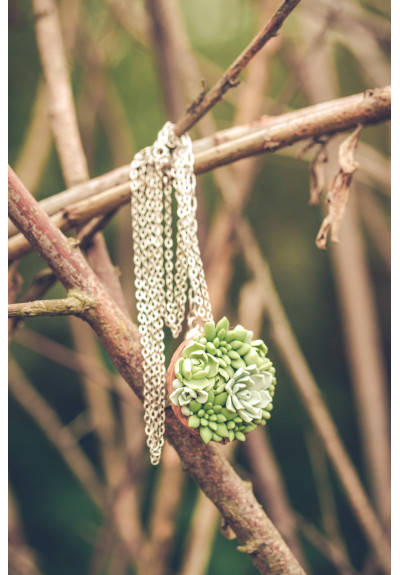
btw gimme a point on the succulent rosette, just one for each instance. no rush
(224, 383)
(248, 393)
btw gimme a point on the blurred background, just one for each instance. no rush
(74, 427)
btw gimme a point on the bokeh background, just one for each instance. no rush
(325, 50)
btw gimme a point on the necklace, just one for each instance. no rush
(220, 382)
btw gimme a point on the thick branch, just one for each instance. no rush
(107, 192)
(329, 118)
(235, 500)
(229, 79)
(76, 304)
(121, 339)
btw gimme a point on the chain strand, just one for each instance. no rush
(162, 287)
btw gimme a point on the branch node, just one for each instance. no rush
(192, 107)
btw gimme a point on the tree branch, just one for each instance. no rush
(120, 337)
(75, 304)
(108, 192)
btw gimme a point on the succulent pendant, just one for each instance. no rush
(221, 383)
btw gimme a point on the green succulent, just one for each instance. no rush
(248, 393)
(224, 383)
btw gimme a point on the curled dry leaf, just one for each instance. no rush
(317, 175)
(338, 194)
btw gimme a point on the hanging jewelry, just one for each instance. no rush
(220, 381)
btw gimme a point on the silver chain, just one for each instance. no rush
(162, 286)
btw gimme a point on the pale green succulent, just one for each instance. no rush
(248, 393)
(196, 368)
(183, 395)
(224, 382)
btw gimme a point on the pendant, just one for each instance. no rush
(221, 383)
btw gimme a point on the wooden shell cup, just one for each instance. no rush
(170, 379)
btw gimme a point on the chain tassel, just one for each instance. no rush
(162, 287)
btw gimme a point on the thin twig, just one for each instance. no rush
(75, 304)
(56, 432)
(362, 334)
(229, 79)
(326, 500)
(76, 361)
(36, 148)
(326, 546)
(267, 478)
(162, 525)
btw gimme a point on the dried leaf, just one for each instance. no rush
(317, 175)
(339, 190)
(337, 199)
(347, 150)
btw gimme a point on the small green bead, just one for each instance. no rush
(231, 425)
(236, 344)
(227, 359)
(220, 399)
(194, 406)
(229, 414)
(216, 437)
(203, 340)
(206, 434)
(216, 341)
(211, 348)
(222, 430)
(208, 405)
(221, 334)
(240, 436)
(224, 374)
(210, 330)
(221, 418)
(213, 417)
(238, 420)
(201, 412)
(217, 408)
(218, 353)
(238, 363)
(231, 435)
(233, 354)
(244, 348)
(230, 371)
(194, 422)
(212, 425)
(222, 324)
(203, 422)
